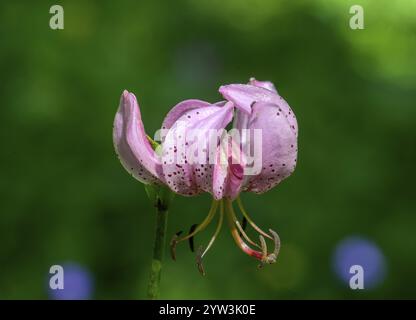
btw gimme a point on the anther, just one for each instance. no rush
(199, 255)
(173, 244)
(263, 246)
(263, 251)
(276, 239)
(272, 257)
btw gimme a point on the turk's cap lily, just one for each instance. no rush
(254, 108)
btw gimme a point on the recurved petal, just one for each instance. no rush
(279, 147)
(240, 95)
(180, 109)
(131, 144)
(263, 84)
(244, 95)
(208, 133)
(186, 148)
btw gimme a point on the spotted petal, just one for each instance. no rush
(279, 147)
(186, 149)
(244, 95)
(180, 109)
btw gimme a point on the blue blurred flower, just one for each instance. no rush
(356, 250)
(78, 284)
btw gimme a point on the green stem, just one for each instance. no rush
(158, 251)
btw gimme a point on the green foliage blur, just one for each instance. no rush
(65, 196)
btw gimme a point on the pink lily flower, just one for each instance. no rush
(221, 171)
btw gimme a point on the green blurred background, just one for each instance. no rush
(66, 198)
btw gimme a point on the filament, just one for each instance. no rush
(175, 240)
(255, 227)
(201, 253)
(204, 223)
(234, 232)
(243, 233)
(220, 220)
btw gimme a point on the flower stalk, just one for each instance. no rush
(161, 198)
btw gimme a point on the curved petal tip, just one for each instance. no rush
(131, 143)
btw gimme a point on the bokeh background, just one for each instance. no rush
(65, 198)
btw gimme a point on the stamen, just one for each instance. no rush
(255, 227)
(245, 236)
(234, 232)
(205, 223)
(175, 240)
(201, 253)
(242, 232)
